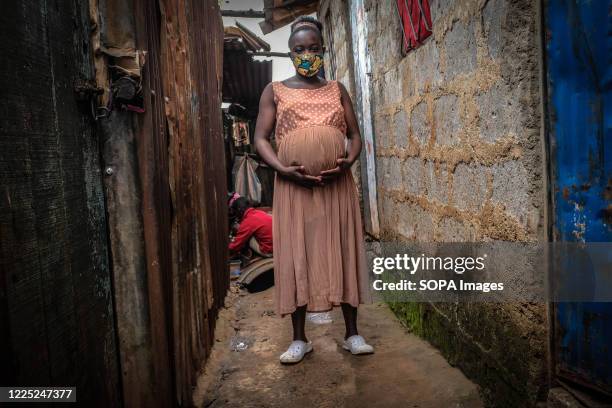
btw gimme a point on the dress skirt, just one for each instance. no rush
(319, 254)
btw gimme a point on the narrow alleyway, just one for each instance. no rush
(405, 371)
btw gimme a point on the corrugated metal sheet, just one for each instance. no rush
(579, 79)
(191, 45)
(181, 193)
(155, 201)
(243, 78)
(179, 278)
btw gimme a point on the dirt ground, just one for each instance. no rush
(405, 371)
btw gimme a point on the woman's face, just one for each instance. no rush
(305, 41)
(306, 52)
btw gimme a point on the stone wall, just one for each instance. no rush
(337, 39)
(336, 21)
(459, 158)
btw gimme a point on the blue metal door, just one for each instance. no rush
(579, 112)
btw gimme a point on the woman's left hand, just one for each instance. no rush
(342, 165)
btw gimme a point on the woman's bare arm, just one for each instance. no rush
(265, 124)
(353, 135)
(352, 126)
(263, 129)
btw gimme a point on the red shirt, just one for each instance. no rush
(254, 223)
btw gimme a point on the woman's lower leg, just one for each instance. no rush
(350, 320)
(298, 319)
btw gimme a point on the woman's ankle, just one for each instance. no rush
(350, 333)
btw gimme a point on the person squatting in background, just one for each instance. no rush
(255, 227)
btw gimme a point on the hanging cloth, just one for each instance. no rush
(246, 182)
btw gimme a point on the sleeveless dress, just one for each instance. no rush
(319, 254)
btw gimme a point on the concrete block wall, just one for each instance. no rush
(461, 115)
(335, 15)
(337, 18)
(459, 158)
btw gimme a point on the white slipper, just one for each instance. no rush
(296, 352)
(357, 345)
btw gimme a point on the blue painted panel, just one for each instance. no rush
(578, 57)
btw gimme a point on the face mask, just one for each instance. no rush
(308, 64)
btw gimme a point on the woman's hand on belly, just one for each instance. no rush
(298, 175)
(343, 164)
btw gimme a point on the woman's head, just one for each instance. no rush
(306, 46)
(306, 21)
(238, 207)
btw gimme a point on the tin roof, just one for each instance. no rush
(244, 78)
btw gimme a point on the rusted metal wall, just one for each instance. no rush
(125, 183)
(245, 78)
(579, 123)
(172, 275)
(56, 313)
(191, 70)
(156, 203)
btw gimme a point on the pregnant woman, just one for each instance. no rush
(319, 259)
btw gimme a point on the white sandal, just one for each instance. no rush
(357, 345)
(296, 352)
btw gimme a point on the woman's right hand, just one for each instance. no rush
(298, 175)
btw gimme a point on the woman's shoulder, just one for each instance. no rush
(273, 89)
(276, 86)
(337, 83)
(342, 90)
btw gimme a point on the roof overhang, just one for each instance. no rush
(244, 79)
(279, 13)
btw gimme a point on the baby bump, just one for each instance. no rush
(316, 148)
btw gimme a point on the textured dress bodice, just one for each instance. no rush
(299, 108)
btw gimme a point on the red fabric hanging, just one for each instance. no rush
(416, 12)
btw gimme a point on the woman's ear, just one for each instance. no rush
(324, 48)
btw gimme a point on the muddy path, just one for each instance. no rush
(404, 372)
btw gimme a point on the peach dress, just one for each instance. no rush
(319, 255)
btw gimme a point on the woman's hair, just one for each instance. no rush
(306, 20)
(307, 23)
(238, 207)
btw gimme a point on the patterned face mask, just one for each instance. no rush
(308, 64)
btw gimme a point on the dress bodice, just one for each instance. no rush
(300, 108)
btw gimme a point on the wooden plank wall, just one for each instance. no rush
(56, 313)
(57, 323)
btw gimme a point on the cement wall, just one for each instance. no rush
(458, 151)
(337, 40)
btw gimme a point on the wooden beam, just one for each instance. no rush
(262, 43)
(243, 13)
(269, 54)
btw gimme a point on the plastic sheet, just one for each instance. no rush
(246, 182)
